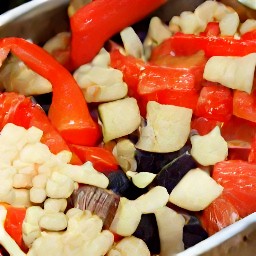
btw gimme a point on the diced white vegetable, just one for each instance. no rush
(21, 180)
(170, 226)
(21, 198)
(53, 221)
(210, 148)
(5, 239)
(158, 31)
(248, 25)
(130, 246)
(229, 24)
(167, 128)
(34, 135)
(102, 59)
(119, 118)
(155, 198)
(39, 181)
(124, 152)
(143, 179)
(189, 23)
(127, 218)
(37, 195)
(232, 72)
(132, 44)
(85, 174)
(55, 205)
(195, 191)
(59, 186)
(250, 3)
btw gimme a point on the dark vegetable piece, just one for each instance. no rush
(99, 201)
(154, 162)
(121, 185)
(193, 232)
(147, 230)
(171, 174)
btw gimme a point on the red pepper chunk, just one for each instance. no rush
(244, 105)
(96, 22)
(215, 102)
(102, 159)
(187, 44)
(239, 181)
(68, 112)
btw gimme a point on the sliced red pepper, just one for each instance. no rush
(168, 86)
(96, 22)
(239, 181)
(215, 102)
(13, 224)
(250, 35)
(244, 105)
(187, 44)
(203, 125)
(102, 159)
(21, 111)
(131, 68)
(212, 29)
(68, 112)
(252, 154)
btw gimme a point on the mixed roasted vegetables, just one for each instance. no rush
(141, 146)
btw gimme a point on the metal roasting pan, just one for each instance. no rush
(38, 20)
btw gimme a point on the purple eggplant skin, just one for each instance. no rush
(154, 162)
(193, 232)
(122, 186)
(171, 174)
(147, 230)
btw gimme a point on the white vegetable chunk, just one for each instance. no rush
(132, 44)
(155, 198)
(233, 72)
(195, 191)
(127, 218)
(130, 246)
(229, 24)
(248, 25)
(167, 128)
(119, 118)
(210, 148)
(143, 179)
(170, 226)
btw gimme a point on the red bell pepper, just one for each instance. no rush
(102, 159)
(212, 29)
(169, 86)
(68, 112)
(186, 44)
(96, 22)
(203, 125)
(244, 105)
(250, 35)
(252, 154)
(19, 110)
(13, 224)
(239, 181)
(215, 102)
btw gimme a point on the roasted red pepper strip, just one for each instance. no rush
(102, 159)
(187, 44)
(19, 110)
(96, 22)
(68, 112)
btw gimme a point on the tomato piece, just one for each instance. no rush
(215, 102)
(131, 68)
(13, 223)
(244, 105)
(239, 181)
(204, 125)
(250, 35)
(218, 215)
(212, 29)
(102, 159)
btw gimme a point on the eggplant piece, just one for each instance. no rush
(147, 230)
(171, 174)
(121, 185)
(154, 162)
(99, 201)
(193, 232)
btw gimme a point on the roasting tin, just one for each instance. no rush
(39, 20)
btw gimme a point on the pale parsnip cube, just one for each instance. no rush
(37, 195)
(53, 221)
(55, 205)
(195, 191)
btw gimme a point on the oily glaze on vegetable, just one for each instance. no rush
(173, 125)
